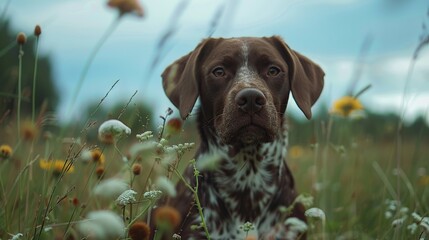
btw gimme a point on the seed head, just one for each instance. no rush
(139, 231)
(37, 30)
(167, 217)
(99, 172)
(137, 168)
(21, 38)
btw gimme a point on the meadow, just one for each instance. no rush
(366, 175)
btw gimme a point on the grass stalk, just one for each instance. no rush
(33, 102)
(18, 118)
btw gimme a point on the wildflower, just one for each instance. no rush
(152, 195)
(29, 130)
(173, 126)
(305, 199)
(166, 185)
(412, 228)
(247, 226)
(296, 227)
(144, 136)
(57, 166)
(136, 168)
(17, 236)
(21, 38)
(110, 188)
(296, 151)
(251, 237)
(102, 224)
(5, 151)
(127, 197)
(346, 106)
(167, 217)
(75, 201)
(398, 222)
(111, 130)
(177, 236)
(127, 6)
(315, 213)
(99, 172)
(37, 31)
(139, 231)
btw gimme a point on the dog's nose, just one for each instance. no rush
(250, 100)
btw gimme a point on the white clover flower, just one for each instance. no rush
(112, 129)
(110, 188)
(102, 225)
(412, 227)
(85, 155)
(296, 225)
(17, 236)
(305, 199)
(416, 216)
(127, 197)
(144, 136)
(166, 186)
(152, 195)
(315, 213)
(425, 226)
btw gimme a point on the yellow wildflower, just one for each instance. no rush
(97, 156)
(424, 180)
(346, 106)
(56, 166)
(5, 151)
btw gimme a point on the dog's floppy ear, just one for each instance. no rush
(180, 80)
(306, 77)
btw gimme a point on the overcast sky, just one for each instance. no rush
(330, 32)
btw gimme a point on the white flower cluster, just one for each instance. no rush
(423, 222)
(177, 236)
(102, 224)
(152, 195)
(127, 197)
(114, 128)
(180, 148)
(305, 199)
(315, 213)
(17, 236)
(145, 136)
(247, 226)
(296, 227)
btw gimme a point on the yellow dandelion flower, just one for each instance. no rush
(346, 106)
(296, 151)
(5, 151)
(56, 166)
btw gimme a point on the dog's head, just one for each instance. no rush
(243, 85)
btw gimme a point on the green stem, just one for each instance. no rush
(34, 81)
(21, 53)
(91, 57)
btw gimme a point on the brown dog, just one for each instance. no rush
(244, 86)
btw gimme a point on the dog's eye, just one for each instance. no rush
(218, 72)
(273, 71)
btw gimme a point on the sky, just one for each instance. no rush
(356, 42)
